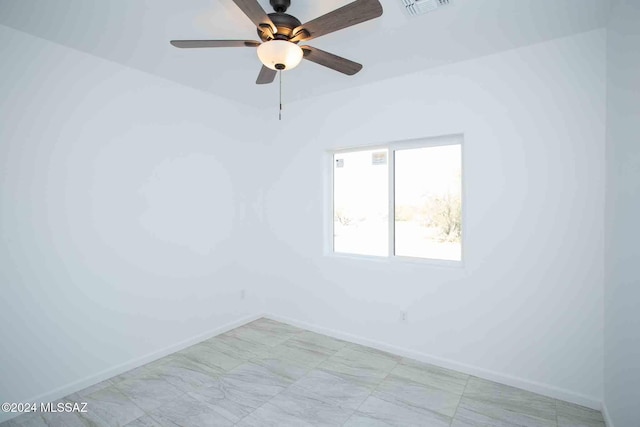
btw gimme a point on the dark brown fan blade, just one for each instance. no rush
(352, 14)
(266, 76)
(188, 44)
(330, 60)
(255, 12)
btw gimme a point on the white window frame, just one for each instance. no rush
(392, 147)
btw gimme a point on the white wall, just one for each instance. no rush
(132, 207)
(622, 279)
(527, 306)
(121, 199)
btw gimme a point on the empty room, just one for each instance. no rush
(320, 213)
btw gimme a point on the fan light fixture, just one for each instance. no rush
(280, 34)
(280, 54)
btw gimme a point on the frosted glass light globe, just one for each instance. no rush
(276, 54)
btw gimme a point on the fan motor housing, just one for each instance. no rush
(280, 6)
(284, 22)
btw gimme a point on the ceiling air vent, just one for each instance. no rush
(420, 7)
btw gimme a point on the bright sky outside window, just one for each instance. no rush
(361, 202)
(424, 217)
(428, 202)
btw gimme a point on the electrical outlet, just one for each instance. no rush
(243, 294)
(404, 316)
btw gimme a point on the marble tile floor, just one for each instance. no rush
(268, 373)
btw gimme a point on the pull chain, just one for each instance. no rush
(280, 111)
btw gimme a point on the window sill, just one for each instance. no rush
(398, 260)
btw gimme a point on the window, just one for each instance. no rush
(400, 200)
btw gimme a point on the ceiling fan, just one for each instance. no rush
(280, 34)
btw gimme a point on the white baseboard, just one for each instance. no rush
(535, 387)
(76, 386)
(605, 414)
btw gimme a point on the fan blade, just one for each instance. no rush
(330, 60)
(352, 14)
(266, 76)
(188, 44)
(255, 12)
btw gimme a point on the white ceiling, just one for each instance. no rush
(136, 33)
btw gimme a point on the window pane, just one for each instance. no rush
(428, 202)
(360, 202)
